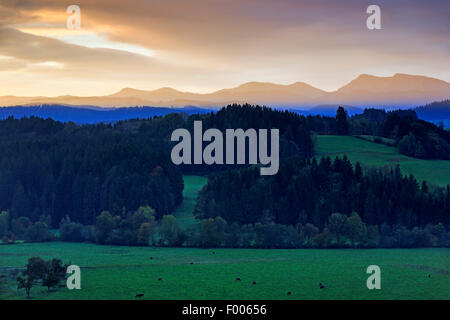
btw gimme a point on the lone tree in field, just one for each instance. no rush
(51, 279)
(25, 281)
(342, 125)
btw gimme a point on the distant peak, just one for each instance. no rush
(395, 76)
(128, 90)
(410, 76)
(301, 84)
(166, 89)
(254, 84)
(364, 76)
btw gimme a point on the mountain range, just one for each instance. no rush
(397, 91)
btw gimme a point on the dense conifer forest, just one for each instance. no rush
(116, 184)
(310, 191)
(49, 169)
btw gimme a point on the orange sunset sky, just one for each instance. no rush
(205, 45)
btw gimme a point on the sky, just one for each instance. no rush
(206, 45)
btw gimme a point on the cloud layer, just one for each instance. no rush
(202, 45)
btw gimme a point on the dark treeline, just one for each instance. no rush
(140, 228)
(418, 138)
(90, 114)
(310, 191)
(56, 170)
(51, 169)
(295, 136)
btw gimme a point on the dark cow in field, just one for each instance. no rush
(289, 293)
(159, 279)
(321, 286)
(139, 295)
(238, 279)
(254, 282)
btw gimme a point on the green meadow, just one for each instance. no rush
(192, 185)
(379, 155)
(110, 272)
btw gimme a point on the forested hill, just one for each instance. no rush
(52, 169)
(412, 136)
(311, 191)
(436, 111)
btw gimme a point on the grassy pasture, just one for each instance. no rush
(111, 272)
(379, 155)
(192, 185)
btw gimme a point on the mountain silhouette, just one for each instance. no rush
(399, 90)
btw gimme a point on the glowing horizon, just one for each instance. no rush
(202, 46)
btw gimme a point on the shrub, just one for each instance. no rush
(71, 231)
(38, 232)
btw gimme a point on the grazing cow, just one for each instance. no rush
(159, 279)
(289, 293)
(321, 286)
(191, 263)
(213, 252)
(238, 279)
(139, 295)
(429, 276)
(151, 258)
(254, 282)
